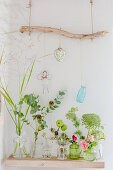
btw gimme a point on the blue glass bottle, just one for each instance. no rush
(81, 94)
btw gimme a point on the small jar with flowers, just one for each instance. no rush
(74, 149)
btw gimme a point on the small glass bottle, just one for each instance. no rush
(74, 151)
(81, 94)
(19, 147)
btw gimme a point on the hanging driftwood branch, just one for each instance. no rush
(62, 32)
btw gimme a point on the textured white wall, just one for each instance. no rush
(74, 16)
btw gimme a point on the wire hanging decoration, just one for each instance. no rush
(82, 91)
(59, 31)
(59, 53)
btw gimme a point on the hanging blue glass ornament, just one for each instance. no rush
(81, 94)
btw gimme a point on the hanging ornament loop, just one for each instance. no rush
(92, 22)
(29, 6)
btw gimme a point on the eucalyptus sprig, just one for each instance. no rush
(39, 112)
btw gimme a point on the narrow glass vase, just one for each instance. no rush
(36, 149)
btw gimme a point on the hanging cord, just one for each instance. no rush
(44, 45)
(92, 24)
(81, 74)
(29, 6)
(60, 39)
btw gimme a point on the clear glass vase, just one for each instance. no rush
(99, 150)
(54, 147)
(47, 149)
(89, 155)
(74, 151)
(19, 147)
(36, 150)
(62, 152)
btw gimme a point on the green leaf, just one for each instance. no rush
(102, 127)
(10, 114)
(47, 110)
(25, 115)
(57, 102)
(30, 72)
(61, 93)
(55, 106)
(15, 112)
(77, 124)
(21, 115)
(43, 108)
(52, 108)
(78, 132)
(21, 89)
(7, 99)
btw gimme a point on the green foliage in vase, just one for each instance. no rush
(59, 135)
(39, 112)
(15, 111)
(71, 115)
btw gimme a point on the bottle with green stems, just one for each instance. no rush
(18, 113)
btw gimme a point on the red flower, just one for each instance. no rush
(74, 138)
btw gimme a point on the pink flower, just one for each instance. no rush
(74, 138)
(91, 138)
(84, 145)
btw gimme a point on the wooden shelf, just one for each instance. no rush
(53, 163)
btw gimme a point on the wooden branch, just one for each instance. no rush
(62, 32)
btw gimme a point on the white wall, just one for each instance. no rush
(74, 16)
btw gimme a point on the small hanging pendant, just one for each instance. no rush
(81, 94)
(59, 54)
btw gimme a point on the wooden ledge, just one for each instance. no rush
(62, 32)
(53, 163)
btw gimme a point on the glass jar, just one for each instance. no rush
(74, 151)
(89, 155)
(62, 152)
(19, 147)
(36, 150)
